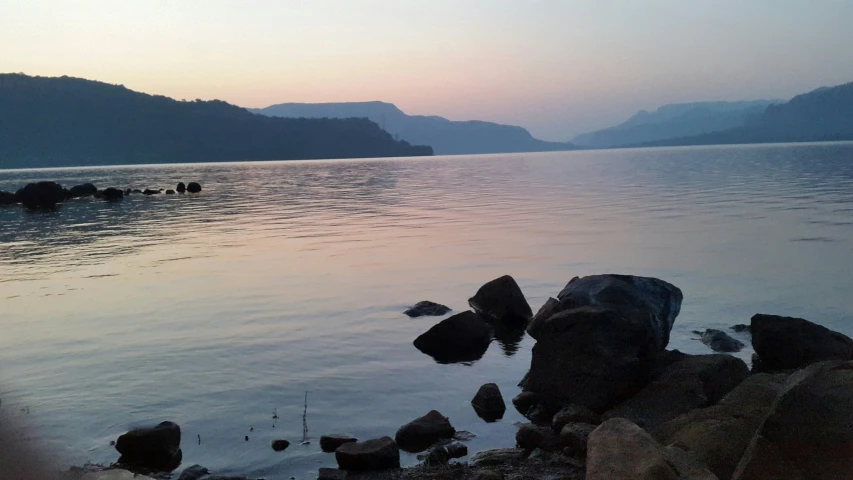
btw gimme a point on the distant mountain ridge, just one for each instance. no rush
(675, 121)
(64, 121)
(446, 137)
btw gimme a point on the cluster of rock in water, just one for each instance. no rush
(607, 401)
(47, 195)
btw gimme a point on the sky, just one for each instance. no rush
(556, 67)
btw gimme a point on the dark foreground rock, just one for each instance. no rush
(574, 414)
(193, 187)
(551, 307)
(378, 454)
(156, 448)
(784, 343)
(530, 437)
(461, 338)
(501, 301)
(41, 195)
(427, 308)
(330, 443)
(421, 433)
(720, 341)
(489, 403)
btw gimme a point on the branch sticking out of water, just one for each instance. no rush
(305, 420)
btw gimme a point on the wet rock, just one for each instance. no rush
(378, 454)
(552, 306)
(695, 381)
(170, 192)
(149, 191)
(329, 443)
(156, 448)
(784, 343)
(193, 472)
(112, 194)
(331, 474)
(461, 338)
(464, 436)
(619, 449)
(41, 195)
(84, 190)
(279, 445)
(530, 437)
(489, 475)
(498, 456)
(420, 433)
(574, 414)
(441, 454)
(181, 188)
(489, 403)
(193, 187)
(719, 341)
(427, 308)
(9, 198)
(501, 300)
(525, 400)
(574, 436)
(740, 328)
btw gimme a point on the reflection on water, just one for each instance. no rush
(213, 310)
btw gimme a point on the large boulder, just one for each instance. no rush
(551, 307)
(193, 187)
(378, 454)
(157, 448)
(41, 195)
(695, 381)
(620, 450)
(427, 308)
(809, 429)
(464, 337)
(501, 301)
(785, 343)
(423, 432)
(489, 403)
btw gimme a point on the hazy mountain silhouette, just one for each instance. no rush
(50, 121)
(445, 136)
(825, 114)
(674, 121)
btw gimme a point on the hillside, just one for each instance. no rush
(825, 114)
(674, 121)
(49, 121)
(445, 136)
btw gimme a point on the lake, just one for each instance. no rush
(218, 309)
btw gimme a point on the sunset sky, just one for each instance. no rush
(556, 67)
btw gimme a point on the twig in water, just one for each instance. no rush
(305, 420)
(199, 439)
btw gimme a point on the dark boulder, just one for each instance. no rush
(181, 188)
(9, 198)
(149, 191)
(501, 301)
(170, 192)
(378, 454)
(785, 343)
(157, 448)
(41, 195)
(574, 437)
(83, 190)
(537, 408)
(329, 443)
(464, 337)
(421, 433)
(279, 445)
(720, 341)
(551, 307)
(427, 308)
(530, 437)
(193, 187)
(574, 414)
(489, 403)
(193, 472)
(112, 194)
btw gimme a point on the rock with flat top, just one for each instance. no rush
(421, 433)
(330, 443)
(378, 454)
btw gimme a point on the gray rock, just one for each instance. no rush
(422, 432)
(574, 414)
(720, 341)
(501, 300)
(378, 454)
(427, 308)
(193, 187)
(41, 195)
(498, 456)
(489, 403)
(784, 343)
(331, 474)
(551, 307)
(156, 448)
(330, 443)
(193, 472)
(530, 437)
(464, 337)
(279, 445)
(574, 436)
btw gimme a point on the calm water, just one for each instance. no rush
(216, 309)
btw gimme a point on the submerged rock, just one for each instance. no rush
(279, 445)
(156, 448)
(193, 187)
(193, 472)
(785, 343)
(427, 308)
(489, 403)
(41, 195)
(329, 443)
(720, 341)
(501, 300)
(421, 433)
(463, 337)
(740, 328)
(149, 191)
(170, 192)
(378, 454)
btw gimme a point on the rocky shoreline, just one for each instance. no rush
(50, 195)
(605, 399)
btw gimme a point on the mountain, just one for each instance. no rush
(674, 121)
(50, 121)
(445, 136)
(825, 114)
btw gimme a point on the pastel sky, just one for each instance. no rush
(557, 67)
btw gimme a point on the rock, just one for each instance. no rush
(83, 190)
(720, 341)
(181, 188)
(620, 450)
(420, 433)
(784, 343)
(136, 190)
(9, 198)
(114, 474)
(551, 307)
(378, 454)
(524, 400)
(543, 457)
(695, 381)
(112, 194)
(456, 450)
(441, 454)
(464, 436)
(719, 435)
(193, 187)
(536, 408)
(740, 328)
(329, 443)
(530, 437)
(498, 456)
(127, 191)
(279, 445)
(808, 428)
(330, 473)
(489, 403)
(464, 337)
(488, 475)
(574, 436)
(193, 472)
(574, 414)
(501, 300)
(41, 195)
(427, 308)
(155, 448)
(148, 191)
(170, 192)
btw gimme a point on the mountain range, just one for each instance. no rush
(446, 137)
